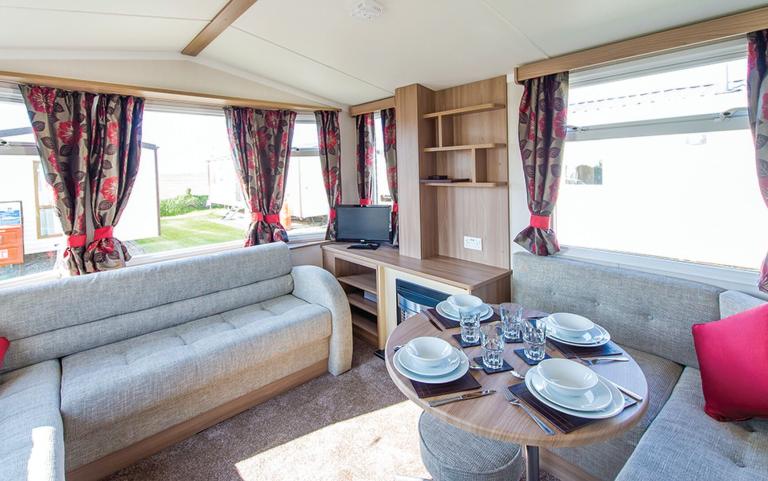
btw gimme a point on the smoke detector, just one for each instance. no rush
(367, 9)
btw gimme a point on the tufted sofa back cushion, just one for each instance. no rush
(649, 312)
(58, 318)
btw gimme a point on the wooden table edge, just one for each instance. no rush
(574, 439)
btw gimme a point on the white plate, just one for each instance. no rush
(597, 336)
(451, 376)
(452, 363)
(614, 408)
(595, 399)
(446, 309)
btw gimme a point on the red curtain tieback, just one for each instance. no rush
(365, 201)
(102, 233)
(76, 240)
(269, 218)
(332, 215)
(540, 221)
(395, 208)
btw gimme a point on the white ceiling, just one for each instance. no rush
(317, 47)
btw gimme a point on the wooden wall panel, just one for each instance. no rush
(418, 204)
(472, 211)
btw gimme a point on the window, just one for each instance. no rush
(187, 194)
(661, 163)
(305, 204)
(21, 181)
(381, 186)
(192, 197)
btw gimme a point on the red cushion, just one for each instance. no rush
(4, 343)
(733, 358)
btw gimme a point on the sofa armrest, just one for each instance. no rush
(318, 286)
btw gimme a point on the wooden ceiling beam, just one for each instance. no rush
(689, 35)
(226, 17)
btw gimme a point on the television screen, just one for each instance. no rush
(361, 224)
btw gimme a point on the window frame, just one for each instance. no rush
(726, 277)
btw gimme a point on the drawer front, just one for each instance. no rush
(11, 255)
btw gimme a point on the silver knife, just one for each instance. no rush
(463, 397)
(626, 391)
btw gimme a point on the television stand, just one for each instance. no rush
(365, 245)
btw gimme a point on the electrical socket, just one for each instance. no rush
(474, 243)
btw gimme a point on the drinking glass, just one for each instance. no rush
(470, 326)
(511, 321)
(535, 339)
(492, 340)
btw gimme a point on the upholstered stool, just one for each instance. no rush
(451, 454)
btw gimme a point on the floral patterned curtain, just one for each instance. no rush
(261, 149)
(541, 130)
(61, 122)
(757, 88)
(389, 129)
(329, 145)
(366, 155)
(114, 164)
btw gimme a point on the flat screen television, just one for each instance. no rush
(368, 226)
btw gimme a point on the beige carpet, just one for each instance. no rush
(355, 427)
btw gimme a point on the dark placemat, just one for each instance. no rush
(450, 323)
(465, 344)
(608, 349)
(464, 383)
(521, 354)
(527, 313)
(562, 421)
(504, 368)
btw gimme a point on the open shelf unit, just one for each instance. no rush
(460, 133)
(450, 148)
(480, 185)
(365, 282)
(458, 148)
(358, 280)
(470, 109)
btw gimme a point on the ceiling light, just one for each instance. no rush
(367, 9)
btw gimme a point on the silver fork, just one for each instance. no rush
(515, 401)
(477, 367)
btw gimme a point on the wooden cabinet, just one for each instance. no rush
(374, 315)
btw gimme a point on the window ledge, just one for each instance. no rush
(732, 278)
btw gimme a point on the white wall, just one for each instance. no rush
(165, 74)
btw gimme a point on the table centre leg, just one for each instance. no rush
(531, 463)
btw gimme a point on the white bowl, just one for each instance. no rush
(571, 324)
(465, 302)
(429, 352)
(566, 377)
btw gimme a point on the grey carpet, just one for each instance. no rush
(355, 427)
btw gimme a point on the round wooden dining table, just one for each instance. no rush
(494, 417)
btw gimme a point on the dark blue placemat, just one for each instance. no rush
(521, 354)
(465, 344)
(504, 368)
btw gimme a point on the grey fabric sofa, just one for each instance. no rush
(118, 358)
(651, 317)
